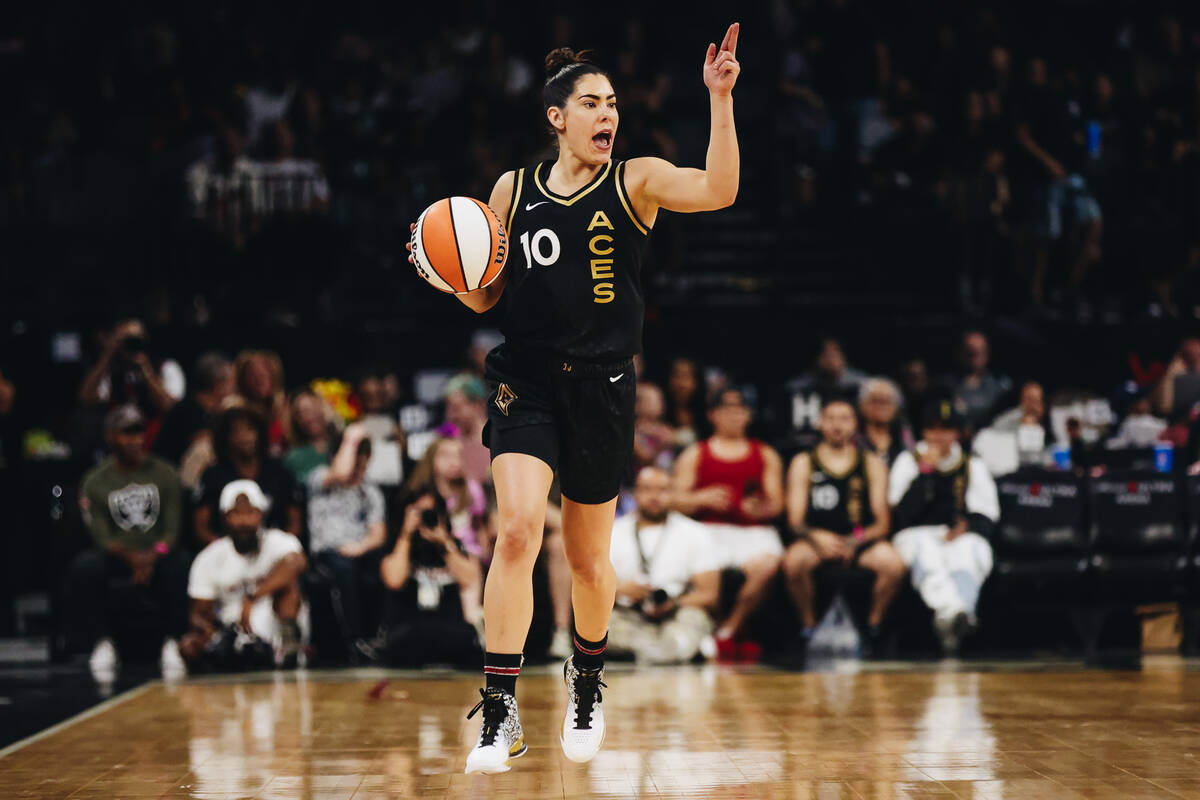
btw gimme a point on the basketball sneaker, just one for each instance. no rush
(583, 727)
(500, 736)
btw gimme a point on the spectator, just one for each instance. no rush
(131, 504)
(427, 571)
(241, 448)
(1177, 390)
(246, 605)
(837, 504)
(1017, 437)
(290, 184)
(668, 577)
(466, 502)
(830, 378)
(685, 402)
(313, 433)
(735, 485)
(192, 417)
(346, 527)
(466, 409)
(125, 374)
(380, 422)
(1140, 428)
(483, 341)
(974, 388)
(913, 378)
(944, 506)
(884, 432)
(653, 439)
(260, 387)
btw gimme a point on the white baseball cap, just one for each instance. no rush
(249, 489)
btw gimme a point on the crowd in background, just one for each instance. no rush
(354, 521)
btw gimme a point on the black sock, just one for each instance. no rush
(501, 670)
(589, 655)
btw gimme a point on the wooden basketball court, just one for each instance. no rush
(690, 732)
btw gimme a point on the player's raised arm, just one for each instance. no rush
(657, 183)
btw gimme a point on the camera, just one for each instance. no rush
(429, 518)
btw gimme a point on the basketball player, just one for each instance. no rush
(837, 506)
(563, 382)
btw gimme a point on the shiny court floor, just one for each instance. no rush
(690, 732)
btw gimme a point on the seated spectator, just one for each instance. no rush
(192, 417)
(1140, 428)
(313, 434)
(668, 578)
(346, 526)
(1177, 390)
(131, 504)
(837, 507)
(883, 430)
(735, 484)
(381, 423)
(466, 409)
(944, 506)
(913, 378)
(974, 388)
(653, 439)
(685, 402)
(240, 440)
(427, 571)
(830, 378)
(260, 388)
(290, 184)
(247, 608)
(441, 466)
(1017, 437)
(125, 374)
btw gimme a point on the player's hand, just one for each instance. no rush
(754, 507)
(720, 64)
(247, 607)
(634, 592)
(829, 546)
(412, 227)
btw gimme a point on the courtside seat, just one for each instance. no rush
(1041, 541)
(1137, 535)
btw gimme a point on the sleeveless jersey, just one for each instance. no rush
(574, 267)
(743, 478)
(839, 501)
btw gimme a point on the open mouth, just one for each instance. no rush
(603, 140)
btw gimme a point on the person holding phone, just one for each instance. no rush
(427, 570)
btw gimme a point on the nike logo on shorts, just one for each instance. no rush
(532, 206)
(614, 380)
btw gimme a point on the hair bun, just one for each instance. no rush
(561, 57)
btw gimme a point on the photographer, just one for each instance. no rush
(668, 577)
(125, 374)
(427, 572)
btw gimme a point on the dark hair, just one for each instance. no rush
(209, 370)
(717, 398)
(564, 67)
(364, 448)
(224, 427)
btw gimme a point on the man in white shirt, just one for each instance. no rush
(668, 577)
(944, 504)
(245, 586)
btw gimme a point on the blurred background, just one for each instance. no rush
(994, 201)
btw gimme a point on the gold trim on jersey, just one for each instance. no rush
(637, 223)
(819, 464)
(516, 198)
(568, 201)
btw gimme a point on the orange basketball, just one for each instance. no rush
(459, 245)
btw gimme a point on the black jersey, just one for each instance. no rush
(574, 267)
(839, 502)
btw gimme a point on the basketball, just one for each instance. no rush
(459, 245)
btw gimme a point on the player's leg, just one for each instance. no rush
(522, 484)
(883, 560)
(799, 563)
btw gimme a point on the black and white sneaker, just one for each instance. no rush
(500, 737)
(583, 727)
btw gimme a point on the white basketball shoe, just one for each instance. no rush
(583, 727)
(500, 737)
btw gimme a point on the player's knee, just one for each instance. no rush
(800, 560)
(591, 571)
(519, 540)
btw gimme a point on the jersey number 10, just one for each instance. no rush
(534, 249)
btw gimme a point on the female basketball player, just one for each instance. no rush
(563, 381)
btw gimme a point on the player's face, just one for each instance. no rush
(838, 424)
(590, 117)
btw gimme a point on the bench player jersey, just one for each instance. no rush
(839, 502)
(574, 263)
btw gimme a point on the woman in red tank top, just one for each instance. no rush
(743, 478)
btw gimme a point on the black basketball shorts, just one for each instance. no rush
(577, 416)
